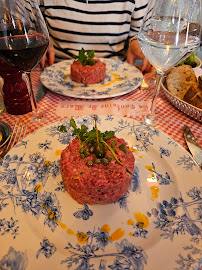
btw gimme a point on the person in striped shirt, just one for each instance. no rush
(106, 26)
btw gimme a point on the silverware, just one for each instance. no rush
(194, 147)
(41, 92)
(19, 132)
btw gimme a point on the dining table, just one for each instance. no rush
(134, 105)
(155, 225)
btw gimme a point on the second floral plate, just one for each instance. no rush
(121, 78)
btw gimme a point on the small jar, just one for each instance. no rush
(15, 92)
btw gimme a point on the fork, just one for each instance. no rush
(19, 132)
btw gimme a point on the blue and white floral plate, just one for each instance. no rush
(121, 78)
(156, 225)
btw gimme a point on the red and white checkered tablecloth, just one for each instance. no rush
(134, 105)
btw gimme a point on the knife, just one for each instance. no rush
(41, 92)
(193, 145)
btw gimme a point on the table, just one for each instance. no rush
(36, 210)
(133, 105)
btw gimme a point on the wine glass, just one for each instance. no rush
(170, 32)
(23, 40)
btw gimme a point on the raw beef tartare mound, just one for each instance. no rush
(88, 74)
(85, 69)
(90, 180)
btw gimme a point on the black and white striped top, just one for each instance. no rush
(101, 25)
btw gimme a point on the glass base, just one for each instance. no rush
(150, 118)
(43, 117)
(37, 116)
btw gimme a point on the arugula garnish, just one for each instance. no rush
(122, 148)
(81, 133)
(86, 136)
(113, 144)
(108, 135)
(85, 57)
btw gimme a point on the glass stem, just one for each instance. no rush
(150, 118)
(159, 78)
(35, 114)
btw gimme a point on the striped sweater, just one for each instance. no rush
(101, 25)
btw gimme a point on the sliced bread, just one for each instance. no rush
(200, 82)
(194, 96)
(180, 79)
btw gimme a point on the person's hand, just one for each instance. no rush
(134, 52)
(49, 56)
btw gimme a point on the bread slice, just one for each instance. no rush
(180, 79)
(200, 82)
(194, 96)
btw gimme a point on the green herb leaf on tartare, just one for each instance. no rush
(108, 135)
(84, 136)
(122, 148)
(81, 133)
(113, 144)
(85, 57)
(72, 123)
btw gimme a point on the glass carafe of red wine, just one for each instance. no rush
(23, 40)
(170, 32)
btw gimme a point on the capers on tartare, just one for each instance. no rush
(105, 161)
(86, 152)
(97, 160)
(89, 163)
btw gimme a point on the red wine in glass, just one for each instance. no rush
(21, 54)
(23, 40)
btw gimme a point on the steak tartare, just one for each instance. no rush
(90, 181)
(88, 74)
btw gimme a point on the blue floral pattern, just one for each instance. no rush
(172, 224)
(9, 226)
(45, 145)
(187, 262)
(40, 222)
(186, 162)
(164, 152)
(18, 172)
(127, 255)
(162, 180)
(85, 213)
(57, 78)
(47, 248)
(14, 260)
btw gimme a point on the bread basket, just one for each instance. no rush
(181, 105)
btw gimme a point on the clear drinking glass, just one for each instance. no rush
(23, 40)
(170, 33)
